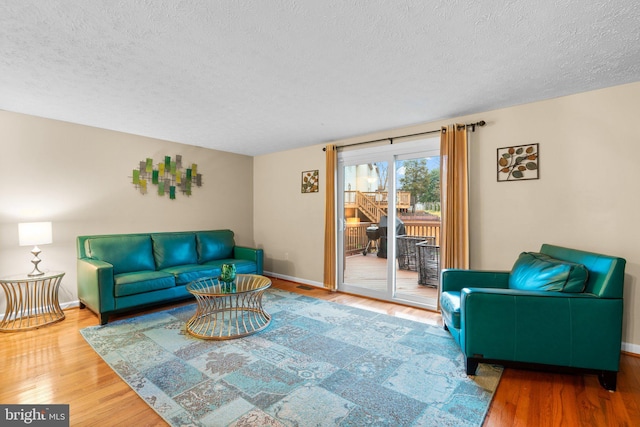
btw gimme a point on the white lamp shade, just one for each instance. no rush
(34, 233)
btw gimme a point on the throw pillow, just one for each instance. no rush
(534, 271)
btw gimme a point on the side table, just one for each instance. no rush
(31, 301)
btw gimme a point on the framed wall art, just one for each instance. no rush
(310, 181)
(518, 163)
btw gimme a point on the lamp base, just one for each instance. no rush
(36, 271)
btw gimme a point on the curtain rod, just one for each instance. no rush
(468, 125)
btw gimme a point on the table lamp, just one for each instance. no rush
(34, 234)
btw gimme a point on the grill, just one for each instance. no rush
(400, 229)
(373, 234)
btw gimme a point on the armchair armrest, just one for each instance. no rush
(556, 328)
(250, 254)
(95, 284)
(457, 279)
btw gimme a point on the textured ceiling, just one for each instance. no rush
(260, 76)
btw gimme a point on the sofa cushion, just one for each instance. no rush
(534, 271)
(214, 245)
(450, 307)
(141, 282)
(125, 253)
(174, 249)
(185, 274)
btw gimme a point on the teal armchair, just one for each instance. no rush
(560, 307)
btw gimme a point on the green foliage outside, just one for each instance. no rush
(423, 184)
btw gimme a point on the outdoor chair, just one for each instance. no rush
(428, 264)
(407, 253)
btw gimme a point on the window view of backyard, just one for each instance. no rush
(366, 212)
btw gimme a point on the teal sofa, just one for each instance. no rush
(558, 308)
(123, 272)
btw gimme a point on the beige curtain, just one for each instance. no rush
(454, 238)
(330, 218)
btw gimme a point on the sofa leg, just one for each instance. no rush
(103, 318)
(446, 328)
(608, 380)
(471, 365)
(82, 306)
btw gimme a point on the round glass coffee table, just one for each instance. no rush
(226, 312)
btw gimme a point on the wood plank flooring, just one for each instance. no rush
(54, 364)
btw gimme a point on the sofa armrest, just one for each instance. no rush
(568, 329)
(457, 279)
(95, 284)
(250, 254)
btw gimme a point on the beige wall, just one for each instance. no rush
(78, 177)
(288, 224)
(587, 197)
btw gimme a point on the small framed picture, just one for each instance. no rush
(310, 181)
(518, 163)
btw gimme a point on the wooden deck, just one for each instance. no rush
(370, 272)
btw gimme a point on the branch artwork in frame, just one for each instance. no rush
(518, 163)
(310, 181)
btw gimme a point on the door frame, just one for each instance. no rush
(371, 154)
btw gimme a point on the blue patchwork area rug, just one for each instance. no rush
(317, 364)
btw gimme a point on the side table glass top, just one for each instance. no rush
(24, 277)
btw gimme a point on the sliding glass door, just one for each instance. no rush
(363, 211)
(388, 213)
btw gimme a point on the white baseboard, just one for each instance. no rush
(63, 305)
(69, 304)
(294, 279)
(631, 348)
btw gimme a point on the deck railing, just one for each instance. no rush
(423, 228)
(355, 234)
(379, 198)
(355, 237)
(370, 206)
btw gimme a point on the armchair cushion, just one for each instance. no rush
(535, 271)
(450, 308)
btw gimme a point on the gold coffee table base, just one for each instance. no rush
(224, 314)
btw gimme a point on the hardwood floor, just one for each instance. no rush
(54, 364)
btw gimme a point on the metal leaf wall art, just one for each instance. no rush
(518, 163)
(168, 175)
